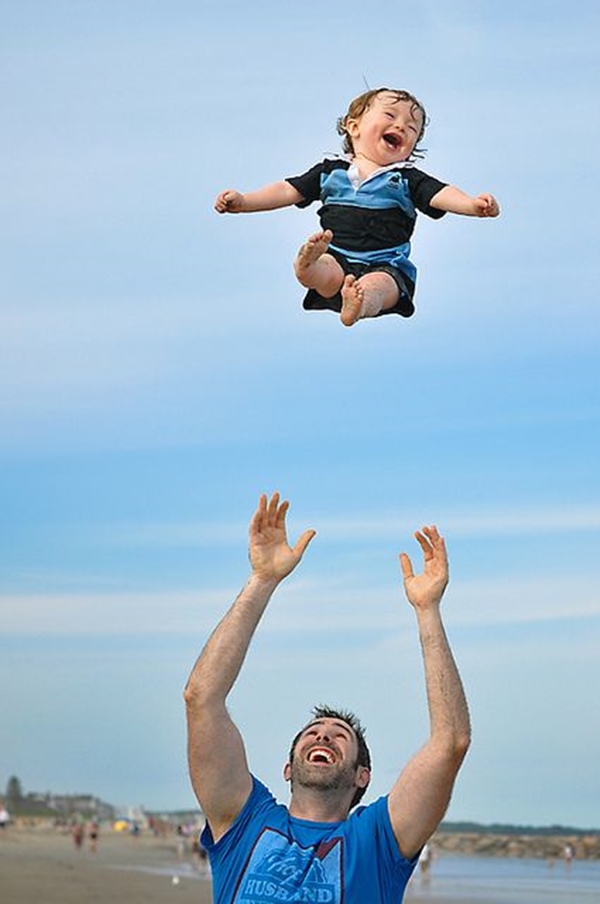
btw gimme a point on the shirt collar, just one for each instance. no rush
(354, 175)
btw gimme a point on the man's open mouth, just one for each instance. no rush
(321, 755)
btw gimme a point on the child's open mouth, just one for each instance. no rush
(393, 140)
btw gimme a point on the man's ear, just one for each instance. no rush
(287, 772)
(363, 777)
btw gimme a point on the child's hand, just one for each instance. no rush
(486, 206)
(229, 202)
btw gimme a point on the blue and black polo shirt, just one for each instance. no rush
(372, 221)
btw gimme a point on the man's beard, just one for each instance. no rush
(340, 777)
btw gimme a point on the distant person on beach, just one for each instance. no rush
(315, 849)
(78, 834)
(568, 855)
(359, 264)
(93, 836)
(180, 834)
(425, 863)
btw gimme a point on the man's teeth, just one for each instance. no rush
(320, 755)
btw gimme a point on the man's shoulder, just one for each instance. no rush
(370, 811)
(260, 792)
(259, 808)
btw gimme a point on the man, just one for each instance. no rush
(315, 850)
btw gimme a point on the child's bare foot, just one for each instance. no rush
(310, 252)
(352, 301)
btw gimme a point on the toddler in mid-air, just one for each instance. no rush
(359, 264)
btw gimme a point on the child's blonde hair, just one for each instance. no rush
(361, 104)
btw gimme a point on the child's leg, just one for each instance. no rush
(367, 296)
(316, 269)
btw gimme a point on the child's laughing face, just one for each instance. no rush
(387, 131)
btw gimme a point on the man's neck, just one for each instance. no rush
(319, 806)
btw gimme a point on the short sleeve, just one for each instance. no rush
(374, 841)
(308, 184)
(259, 798)
(422, 189)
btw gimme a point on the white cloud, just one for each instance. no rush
(303, 607)
(499, 521)
(473, 523)
(107, 613)
(520, 601)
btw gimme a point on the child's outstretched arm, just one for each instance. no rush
(454, 200)
(270, 197)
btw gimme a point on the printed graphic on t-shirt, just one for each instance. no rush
(279, 870)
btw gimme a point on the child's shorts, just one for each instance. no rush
(406, 288)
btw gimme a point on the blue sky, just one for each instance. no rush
(157, 373)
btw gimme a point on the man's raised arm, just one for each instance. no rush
(216, 755)
(422, 793)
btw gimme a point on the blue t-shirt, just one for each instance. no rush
(269, 856)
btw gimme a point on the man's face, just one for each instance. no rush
(387, 131)
(325, 757)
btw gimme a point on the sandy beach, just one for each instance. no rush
(44, 865)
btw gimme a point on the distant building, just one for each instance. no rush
(68, 805)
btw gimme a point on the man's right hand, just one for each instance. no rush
(271, 557)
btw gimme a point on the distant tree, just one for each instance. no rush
(14, 793)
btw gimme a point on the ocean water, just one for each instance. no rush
(486, 880)
(499, 880)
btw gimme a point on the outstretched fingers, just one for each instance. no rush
(280, 512)
(269, 515)
(273, 509)
(406, 566)
(258, 518)
(430, 541)
(270, 554)
(427, 587)
(302, 543)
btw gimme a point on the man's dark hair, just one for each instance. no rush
(363, 756)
